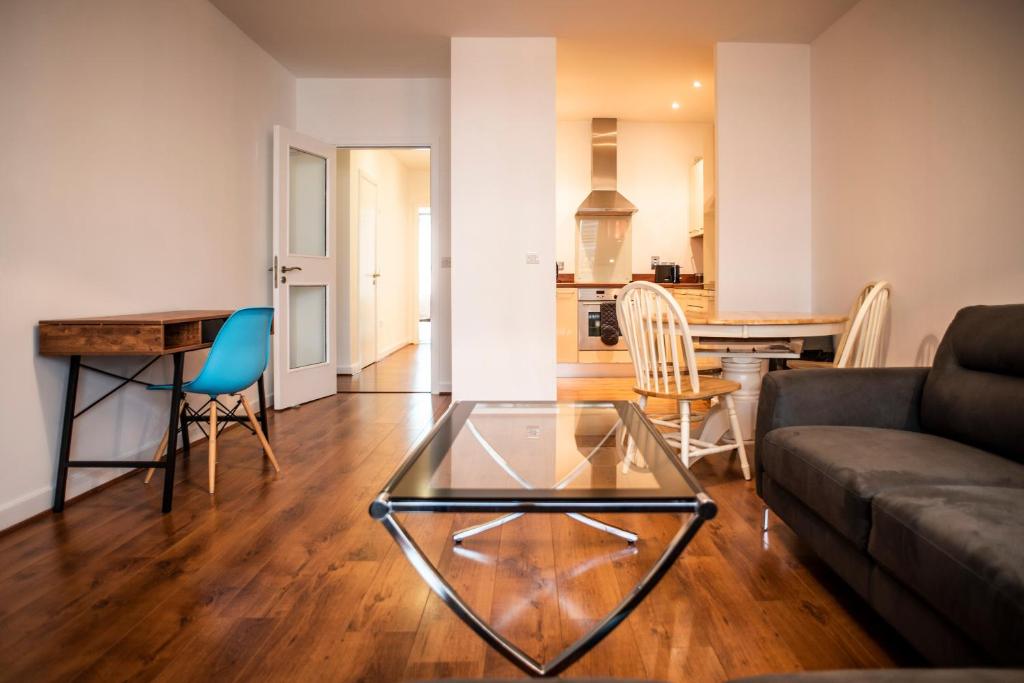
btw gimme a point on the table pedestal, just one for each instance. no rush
(747, 371)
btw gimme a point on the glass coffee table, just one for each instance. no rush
(512, 459)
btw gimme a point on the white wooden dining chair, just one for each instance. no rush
(665, 366)
(860, 345)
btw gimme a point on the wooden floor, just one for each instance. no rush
(286, 578)
(405, 370)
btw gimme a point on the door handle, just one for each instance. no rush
(288, 269)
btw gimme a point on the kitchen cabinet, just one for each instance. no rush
(694, 300)
(609, 356)
(566, 350)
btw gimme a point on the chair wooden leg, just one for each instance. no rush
(684, 433)
(213, 442)
(737, 435)
(159, 454)
(259, 433)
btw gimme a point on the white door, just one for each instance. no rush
(304, 269)
(369, 276)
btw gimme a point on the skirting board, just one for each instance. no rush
(82, 481)
(356, 369)
(595, 370)
(79, 481)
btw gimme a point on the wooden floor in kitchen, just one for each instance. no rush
(287, 578)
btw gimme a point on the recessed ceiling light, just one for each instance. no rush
(696, 84)
(675, 105)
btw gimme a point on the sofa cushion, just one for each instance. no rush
(836, 471)
(975, 390)
(961, 548)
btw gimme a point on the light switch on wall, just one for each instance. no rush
(532, 258)
(655, 260)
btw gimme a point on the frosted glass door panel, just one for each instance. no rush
(307, 208)
(307, 325)
(604, 250)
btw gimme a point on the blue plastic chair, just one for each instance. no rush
(237, 359)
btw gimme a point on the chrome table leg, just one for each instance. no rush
(428, 572)
(627, 536)
(624, 534)
(469, 531)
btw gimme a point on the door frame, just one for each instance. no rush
(362, 362)
(433, 143)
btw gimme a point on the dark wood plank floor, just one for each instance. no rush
(286, 578)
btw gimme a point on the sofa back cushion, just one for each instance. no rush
(975, 390)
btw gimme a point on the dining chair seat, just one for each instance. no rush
(709, 388)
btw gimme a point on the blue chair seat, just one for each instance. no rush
(238, 357)
(168, 387)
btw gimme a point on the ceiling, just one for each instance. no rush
(615, 58)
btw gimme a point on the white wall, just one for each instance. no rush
(764, 176)
(399, 193)
(503, 206)
(654, 161)
(135, 177)
(918, 161)
(394, 112)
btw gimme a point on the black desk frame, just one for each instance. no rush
(176, 423)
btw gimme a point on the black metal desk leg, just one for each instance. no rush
(263, 408)
(186, 444)
(65, 434)
(172, 430)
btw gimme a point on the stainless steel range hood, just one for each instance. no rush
(604, 199)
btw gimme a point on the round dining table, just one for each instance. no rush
(746, 341)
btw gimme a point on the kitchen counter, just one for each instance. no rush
(609, 285)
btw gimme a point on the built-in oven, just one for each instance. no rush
(598, 325)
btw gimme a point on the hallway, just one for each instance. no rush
(405, 371)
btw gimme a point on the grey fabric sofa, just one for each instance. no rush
(909, 483)
(893, 676)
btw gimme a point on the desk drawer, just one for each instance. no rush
(56, 339)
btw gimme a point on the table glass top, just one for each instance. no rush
(543, 452)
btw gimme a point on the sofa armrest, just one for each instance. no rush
(863, 397)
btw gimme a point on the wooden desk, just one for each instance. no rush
(127, 335)
(146, 334)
